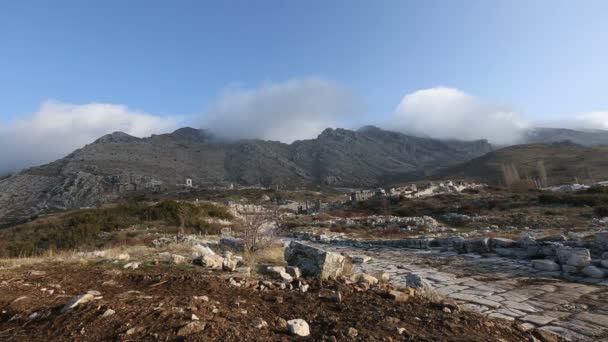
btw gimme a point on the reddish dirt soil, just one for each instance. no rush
(155, 302)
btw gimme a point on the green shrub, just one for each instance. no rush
(82, 228)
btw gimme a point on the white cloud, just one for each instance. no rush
(57, 129)
(287, 111)
(448, 113)
(591, 120)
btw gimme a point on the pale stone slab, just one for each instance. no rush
(594, 318)
(475, 300)
(538, 319)
(519, 306)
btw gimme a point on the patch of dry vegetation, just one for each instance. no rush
(83, 228)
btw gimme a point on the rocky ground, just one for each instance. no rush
(499, 287)
(186, 302)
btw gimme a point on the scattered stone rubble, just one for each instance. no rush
(415, 191)
(556, 255)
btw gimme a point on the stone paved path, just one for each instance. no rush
(499, 287)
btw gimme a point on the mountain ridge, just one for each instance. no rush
(118, 163)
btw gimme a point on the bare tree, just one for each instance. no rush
(542, 172)
(509, 174)
(259, 230)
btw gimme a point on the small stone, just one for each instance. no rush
(385, 277)
(259, 323)
(191, 328)
(203, 298)
(75, 301)
(398, 296)
(132, 265)
(293, 271)
(177, 259)
(194, 317)
(363, 278)
(298, 327)
(281, 324)
(352, 332)
(545, 265)
(447, 310)
(123, 257)
(108, 312)
(361, 259)
(304, 288)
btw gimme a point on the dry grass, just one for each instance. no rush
(49, 256)
(274, 255)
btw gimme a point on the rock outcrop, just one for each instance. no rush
(314, 261)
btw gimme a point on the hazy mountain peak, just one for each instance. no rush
(115, 137)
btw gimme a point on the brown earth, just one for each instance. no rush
(155, 302)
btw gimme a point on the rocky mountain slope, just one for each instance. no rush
(563, 162)
(117, 164)
(551, 135)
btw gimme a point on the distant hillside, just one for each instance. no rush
(562, 162)
(117, 164)
(551, 135)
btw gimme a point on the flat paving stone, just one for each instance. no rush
(568, 334)
(501, 316)
(500, 287)
(474, 299)
(519, 306)
(593, 318)
(538, 319)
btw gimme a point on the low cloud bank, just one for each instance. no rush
(57, 129)
(285, 111)
(449, 113)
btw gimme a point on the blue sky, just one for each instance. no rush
(543, 60)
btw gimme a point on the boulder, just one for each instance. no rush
(545, 265)
(279, 272)
(594, 272)
(298, 327)
(502, 243)
(211, 261)
(527, 241)
(416, 282)
(200, 250)
(578, 257)
(478, 245)
(550, 248)
(554, 238)
(601, 237)
(571, 269)
(314, 261)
